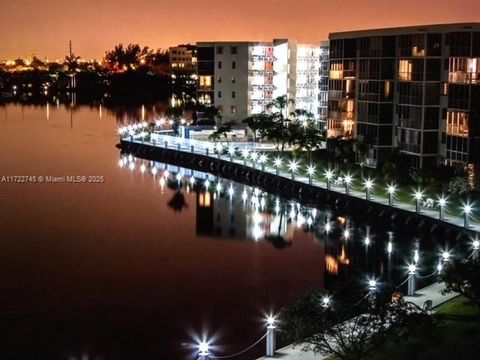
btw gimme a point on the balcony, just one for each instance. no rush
(460, 77)
(412, 148)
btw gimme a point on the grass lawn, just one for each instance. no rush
(455, 336)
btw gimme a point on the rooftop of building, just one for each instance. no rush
(406, 30)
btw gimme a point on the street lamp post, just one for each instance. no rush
(203, 348)
(254, 157)
(293, 165)
(368, 188)
(467, 210)
(442, 202)
(231, 152)
(219, 150)
(278, 163)
(245, 154)
(411, 279)
(263, 160)
(418, 198)
(348, 180)
(271, 336)
(328, 176)
(391, 193)
(310, 172)
(372, 290)
(476, 248)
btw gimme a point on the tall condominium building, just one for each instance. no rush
(411, 89)
(242, 78)
(183, 72)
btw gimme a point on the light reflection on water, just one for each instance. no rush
(130, 268)
(229, 210)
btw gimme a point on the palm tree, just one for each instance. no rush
(127, 58)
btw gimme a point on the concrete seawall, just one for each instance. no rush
(303, 193)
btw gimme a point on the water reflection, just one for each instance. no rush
(231, 211)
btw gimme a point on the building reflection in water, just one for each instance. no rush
(230, 211)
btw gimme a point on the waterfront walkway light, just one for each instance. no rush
(325, 302)
(245, 155)
(412, 269)
(278, 163)
(231, 152)
(442, 203)
(203, 348)
(293, 166)
(263, 160)
(476, 244)
(389, 247)
(476, 248)
(219, 150)
(368, 188)
(348, 180)
(329, 176)
(418, 198)
(445, 256)
(366, 241)
(391, 189)
(467, 210)
(310, 172)
(271, 336)
(254, 157)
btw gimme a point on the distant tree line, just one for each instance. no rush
(131, 73)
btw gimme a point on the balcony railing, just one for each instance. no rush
(410, 148)
(460, 77)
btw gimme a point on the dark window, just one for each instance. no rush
(434, 44)
(434, 70)
(219, 94)
(234, 64)
(219, 64)
(233, 94)
(233, 50)
(219, 50)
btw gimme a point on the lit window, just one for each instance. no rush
(205, 81)
(457, 123)
(405, 70)
(233, 109)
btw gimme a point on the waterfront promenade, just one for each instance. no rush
(432, 292)
(209, 149)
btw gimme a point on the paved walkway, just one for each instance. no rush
(432, 292)
(208, 149)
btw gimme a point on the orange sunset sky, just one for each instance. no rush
(44, 27)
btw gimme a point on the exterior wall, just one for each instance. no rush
(206, 73)
(413, 91)
(260, 77)
(263, 71)
(307, 79)
(231, 80)
(183, 72)
(324, 66)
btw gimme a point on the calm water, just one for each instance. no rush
(137, 268)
